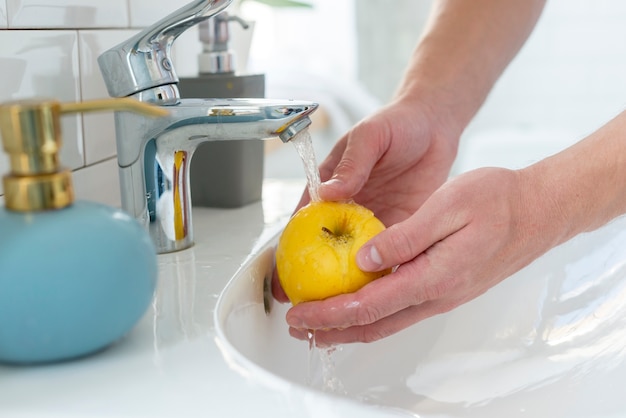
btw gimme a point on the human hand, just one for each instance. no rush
(390, 162)
(472, 233)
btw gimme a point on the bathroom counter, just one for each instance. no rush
(170, 365)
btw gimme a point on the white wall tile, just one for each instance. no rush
(98, 128)
(144, 13)
(3, 14)
(99, 183)
(43, 64)
(67, 13)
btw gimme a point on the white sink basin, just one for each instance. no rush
(549, 342)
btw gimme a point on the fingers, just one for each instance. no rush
(349, 165)
(277, 289)
(412, 284)
(422, 276)
(458, 244)
(326, 171)
(396, 245)
(403, 241)
(373, 332)
(416, 291)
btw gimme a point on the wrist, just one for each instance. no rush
(448, 106)
(436, 110)
(582, 187)
(543, 215)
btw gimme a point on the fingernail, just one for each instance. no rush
(332, 182)
(369, 259)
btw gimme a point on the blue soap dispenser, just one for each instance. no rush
(74, 276)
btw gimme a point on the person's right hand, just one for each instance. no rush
(472, 233)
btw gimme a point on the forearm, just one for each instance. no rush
(464, 49)
(582, 187)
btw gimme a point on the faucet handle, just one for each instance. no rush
(144, 62)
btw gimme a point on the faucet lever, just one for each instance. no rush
(144, 61)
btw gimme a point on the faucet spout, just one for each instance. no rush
(154, 155)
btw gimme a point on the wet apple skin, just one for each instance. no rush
(316, 252)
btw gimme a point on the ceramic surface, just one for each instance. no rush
(170, 364)
(549, 342)
(67, 13)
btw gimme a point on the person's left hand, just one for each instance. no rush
(472, 233)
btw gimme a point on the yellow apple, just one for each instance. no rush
(316, 252)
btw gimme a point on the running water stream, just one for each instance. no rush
(330, 382)
(304, 146)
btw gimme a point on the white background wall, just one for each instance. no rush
(567, 80)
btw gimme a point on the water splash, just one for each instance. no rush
(304, 147)
(310, 359)
(330, 382)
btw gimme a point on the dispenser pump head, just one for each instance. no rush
(31, 135)
(217, 57)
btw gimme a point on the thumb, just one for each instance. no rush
(404, 241)
(391, 247)
(351, 163)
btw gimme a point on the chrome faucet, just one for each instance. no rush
(154, 154)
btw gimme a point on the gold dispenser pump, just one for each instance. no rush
(31, 134)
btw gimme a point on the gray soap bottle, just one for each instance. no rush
(224, 174)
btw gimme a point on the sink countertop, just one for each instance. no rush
(170, 365)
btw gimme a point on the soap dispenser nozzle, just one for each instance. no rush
(31, 134)
(216, 56)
